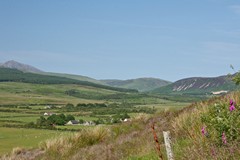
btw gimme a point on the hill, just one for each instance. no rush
(13, 75)
(198, 86)
(20, 66)
(140, 84)
(72, 76)
(27, 68)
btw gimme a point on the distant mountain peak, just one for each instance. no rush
(20, 66)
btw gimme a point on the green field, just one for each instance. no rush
(26, 138)
(12, 93)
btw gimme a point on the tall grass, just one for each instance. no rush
(131, 140)
(64, 146)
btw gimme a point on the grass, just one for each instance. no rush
(12, 93)
(74, 127)
(19, 137)
(25, 119)
(150, 156)
(86, 118)
(166, 105)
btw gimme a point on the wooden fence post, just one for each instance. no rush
(157, 142)
(167, 142)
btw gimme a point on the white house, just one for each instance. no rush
(48, 114)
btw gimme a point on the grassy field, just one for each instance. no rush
(26, 138)
(166, 106)
(12, 93)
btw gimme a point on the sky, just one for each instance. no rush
(123, 39)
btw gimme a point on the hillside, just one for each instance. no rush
(72, 76)
(198, 86)
(20, 66)
(13, 75)
(27, 68)
(140, 84)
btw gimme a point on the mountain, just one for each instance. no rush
(140, 84)
(20, 66)
(27, 68)
(198, 86)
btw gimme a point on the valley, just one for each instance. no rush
(41, 108)
(24, 103)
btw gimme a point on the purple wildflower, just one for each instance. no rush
(231, 108)
(224, 139)
(232, 103)
(203, 130)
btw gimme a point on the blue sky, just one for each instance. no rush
(123, 39)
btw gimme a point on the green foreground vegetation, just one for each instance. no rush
(208, 130)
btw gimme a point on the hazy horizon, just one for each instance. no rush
(170, 40)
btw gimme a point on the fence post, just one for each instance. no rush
(167, 142)
(157, 142)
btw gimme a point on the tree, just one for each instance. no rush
(60, 121)
(62, 116)
(69, 105)
(69, 117)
